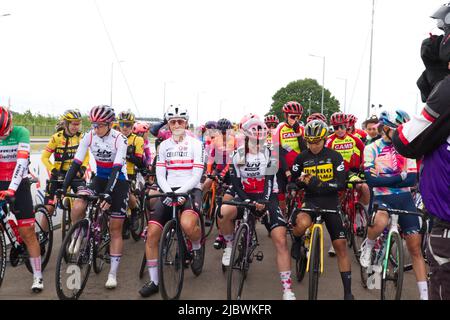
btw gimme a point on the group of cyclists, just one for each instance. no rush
(259, 160)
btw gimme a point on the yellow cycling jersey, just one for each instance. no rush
(63, 147)
(138, 143)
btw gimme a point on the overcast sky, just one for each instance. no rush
(55, 54)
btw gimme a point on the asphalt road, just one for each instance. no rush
(262, 282)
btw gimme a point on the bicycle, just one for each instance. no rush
(244, 246)
(355, 219)
(174, 255)
(86, 245)
(18, 252)
(314, 264)
(294, 203)
(387, 260)
(209, 203)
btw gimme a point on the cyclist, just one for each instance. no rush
(352, 150)
(253, 179)
(361, 134)
(391, 175)
(289, 142)
(135, 155)
(15, 152)
(109, 148)
(63, 145)
(141, 129)
(271, 122)
(316, 116)
(320, 171)
(372, 129)
(179, 168)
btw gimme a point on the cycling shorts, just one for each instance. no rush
(119, 196)
(23, 205)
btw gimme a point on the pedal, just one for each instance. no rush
(259, 256)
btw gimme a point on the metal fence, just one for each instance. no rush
(36, 130)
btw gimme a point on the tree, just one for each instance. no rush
(306, 91)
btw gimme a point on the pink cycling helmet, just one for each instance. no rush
(255, 129)
(103, 114)
(141, 127)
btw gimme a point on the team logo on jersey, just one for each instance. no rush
(343, 146)
(341, 167)
(288, 135)
(295, 167)
(324, 172)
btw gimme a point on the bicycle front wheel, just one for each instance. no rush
(101, 245)
(170, 262)
(66, 221)
(239, 264)
(392, 279)
(137, 220)
(359, 229)
(314, 265)
(73, 264)
(209, 212)
(3, 256)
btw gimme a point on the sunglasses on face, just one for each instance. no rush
(313, 141)
(179, 122)
(125, 124)
(271, 125)
(96, 125)
(341, 126)
(294, 116)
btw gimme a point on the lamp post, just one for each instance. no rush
(370, 63)
(345, 93)
(198, 100)
(323, 79)
(164, 101)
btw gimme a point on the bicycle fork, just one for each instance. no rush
(392, 229)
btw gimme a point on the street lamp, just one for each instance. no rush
(198, 99)
(345, 94)
(111, 92)
(323, 79)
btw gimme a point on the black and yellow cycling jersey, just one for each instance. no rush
(135, 153)
(63, 147)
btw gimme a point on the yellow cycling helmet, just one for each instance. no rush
(71, 115)
(315, 131)
(126, 116)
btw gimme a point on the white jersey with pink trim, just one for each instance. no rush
(180, 164)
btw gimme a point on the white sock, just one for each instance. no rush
(423, 289)
(196, 245)
(370, 243)
(115, 260)
(36, 266)
(152, 266)
(285, 277)
(229, 240)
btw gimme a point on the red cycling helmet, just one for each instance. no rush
(5, 122)
(316, 116)
(293, 107)
(338, 118)
(255, 129)
(351, 120)
(140, 127)
(103, 114)
(246, 118)
(271, 119)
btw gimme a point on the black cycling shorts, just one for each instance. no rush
(274, 218)
(162, 213)
(119, 196)
(51, 188)
(23, 205)
(332, 220)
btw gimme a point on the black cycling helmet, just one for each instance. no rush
(224, 125)
(211, 125)
(442, 15)
(315, 131)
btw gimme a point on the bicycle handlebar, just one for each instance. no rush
(355, 182)
(376, 207)
(84, 196)
(319, 210)
(169, 195)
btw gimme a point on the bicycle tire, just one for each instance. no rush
(66, 221)
(137, 228)
(171, 237)
(45, 239)
(238, 263)
(209, 211)
(393, 262)
(203, 248)
(142, 268)
(314, 265)
(300, 265)
(85, 258)
(361, 220)
(3, 256)
(101, 245)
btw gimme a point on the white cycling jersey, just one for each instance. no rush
(253, 168)
(109, 151)
(180, 164)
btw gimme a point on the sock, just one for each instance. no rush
(370, 243)
(196, 245)
(115, 260)
(229, 240)
(423, 289)
(347, 282)
(285, 277)
(152, 266)
(36, 265)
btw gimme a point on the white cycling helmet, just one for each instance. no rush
(176, 112)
